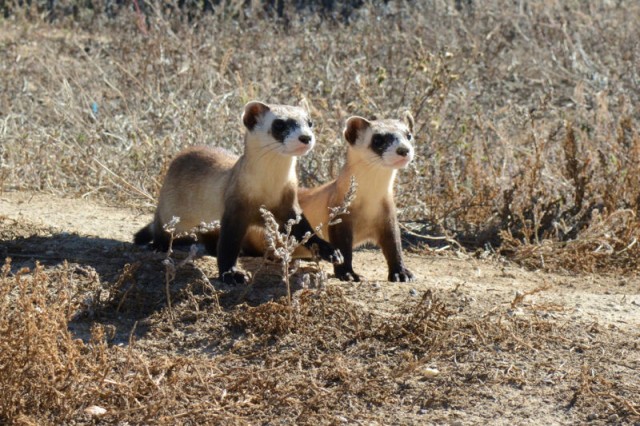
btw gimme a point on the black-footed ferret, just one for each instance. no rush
(208, 184)
(376, 150)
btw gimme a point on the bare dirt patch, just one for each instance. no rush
(471, 341)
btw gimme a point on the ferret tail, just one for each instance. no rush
(144, 235)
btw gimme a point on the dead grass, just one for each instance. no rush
(525, 114)
(318, 360)
(42, 365)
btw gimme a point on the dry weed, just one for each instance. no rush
(317, 359)
(280, 246)
(45, 373)
(527, 140)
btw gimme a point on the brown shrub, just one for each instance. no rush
(524, 114)
(45, 373)
(319, 358)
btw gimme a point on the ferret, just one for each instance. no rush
(376, 150)
(209, 184)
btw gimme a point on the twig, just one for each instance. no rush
(430, 237)
(141, 24)
(139, 191)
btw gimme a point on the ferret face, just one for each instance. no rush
(280, 128)
(383, 142)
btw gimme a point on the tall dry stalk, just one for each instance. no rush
(281, 245)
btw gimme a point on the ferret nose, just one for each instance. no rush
(304, 139)
(402, 151)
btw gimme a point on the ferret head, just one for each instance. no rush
(383, 142)
(279, 128)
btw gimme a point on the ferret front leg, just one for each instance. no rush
(341, 235)
(389, 241)
(326, 251)
(233, 228)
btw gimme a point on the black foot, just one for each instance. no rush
(402, 275)
(328, 253)
(346, 274)
(235, 276)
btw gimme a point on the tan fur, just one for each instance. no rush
(367, 207)
(374, 186)
(210, 184)
(193, 189)
(199, 194)
(201, 181)
(372, 215)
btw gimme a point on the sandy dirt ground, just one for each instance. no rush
(613, 300)
(50, 229)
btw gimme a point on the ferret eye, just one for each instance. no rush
(310, 123)
(377, 141)
(278, 125)
(409, 136)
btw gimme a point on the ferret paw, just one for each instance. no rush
(235, 276)
(402, 275)
(346, 275)
(327, 252)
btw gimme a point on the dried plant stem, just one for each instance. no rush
(171, 267)
(280, 246)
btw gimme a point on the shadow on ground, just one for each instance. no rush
(124, 287)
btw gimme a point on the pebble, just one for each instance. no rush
(518, 312)
(430, 372)
(94, 410)
(413, 292)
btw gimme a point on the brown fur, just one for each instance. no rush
(210, 184)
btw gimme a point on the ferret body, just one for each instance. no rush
(210, 184)
(376, 150)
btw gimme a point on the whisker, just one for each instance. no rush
(268, 149)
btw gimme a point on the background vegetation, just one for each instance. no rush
(527, 126)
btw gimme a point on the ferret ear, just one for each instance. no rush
(353, 127)
(408, 118)
(252, 113)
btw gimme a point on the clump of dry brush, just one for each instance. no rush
(592, 226)
(323, 356)
(45, 373)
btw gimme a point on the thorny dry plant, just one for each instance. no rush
(527, 140)
(281, 246)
